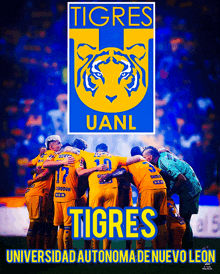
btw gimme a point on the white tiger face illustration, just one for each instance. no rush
(111, 80)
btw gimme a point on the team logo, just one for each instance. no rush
(110, 70)
(111, 80)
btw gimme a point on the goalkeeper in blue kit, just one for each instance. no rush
(183, 181)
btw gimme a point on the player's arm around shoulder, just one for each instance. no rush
(175, 174)
(134, 159)
(81, 171)
(80, 165)
(53, 164)
(179, 182)
(120, 172)
(44, 175)
(32, 163)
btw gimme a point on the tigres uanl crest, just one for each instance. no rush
(111, 65)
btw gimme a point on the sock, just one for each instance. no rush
(188, 235)
(87, 244)
(106, 244)
(95, 244)
(40, 236)
(154, 243)
(128, 244)
(47, 236)
(161, 239)
(31, 235)
(177, 235)
(67, 237)
(187, 241)
(53, 242)
(60, 244)
(50, 236)
(140, 244)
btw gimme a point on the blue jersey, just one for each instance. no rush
(174, 166)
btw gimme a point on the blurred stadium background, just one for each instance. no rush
(33, 50)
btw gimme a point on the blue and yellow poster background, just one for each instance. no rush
(111, 67)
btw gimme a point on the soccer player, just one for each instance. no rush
(152, 192)
(38, 199)
(103, 194)
(65, 194)
(32, 164)
(83, 184)
(175, 223)
(67, 165)
(184, 182)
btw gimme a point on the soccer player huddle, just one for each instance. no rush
(68, 176)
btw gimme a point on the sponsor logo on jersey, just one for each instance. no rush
(60, 195)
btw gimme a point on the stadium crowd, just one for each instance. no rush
(33, 50)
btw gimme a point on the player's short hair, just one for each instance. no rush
(102, 147)
(137, 150)
(50, 139)
(80, 144)
(67, 148)
(65, 145)
(152, 151)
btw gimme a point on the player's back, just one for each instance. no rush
(66, 180)
(146, 176)
(98, 158)
(43, 186)
(41, 158)
(175, 166)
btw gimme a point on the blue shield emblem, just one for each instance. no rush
(111, 67)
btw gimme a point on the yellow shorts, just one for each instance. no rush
(60, 213)
(36, 207)
(156, 198)
(104, 197)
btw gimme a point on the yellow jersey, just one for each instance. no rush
(98, 158)
(66, 179)
(146, 176)
(41, 187)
